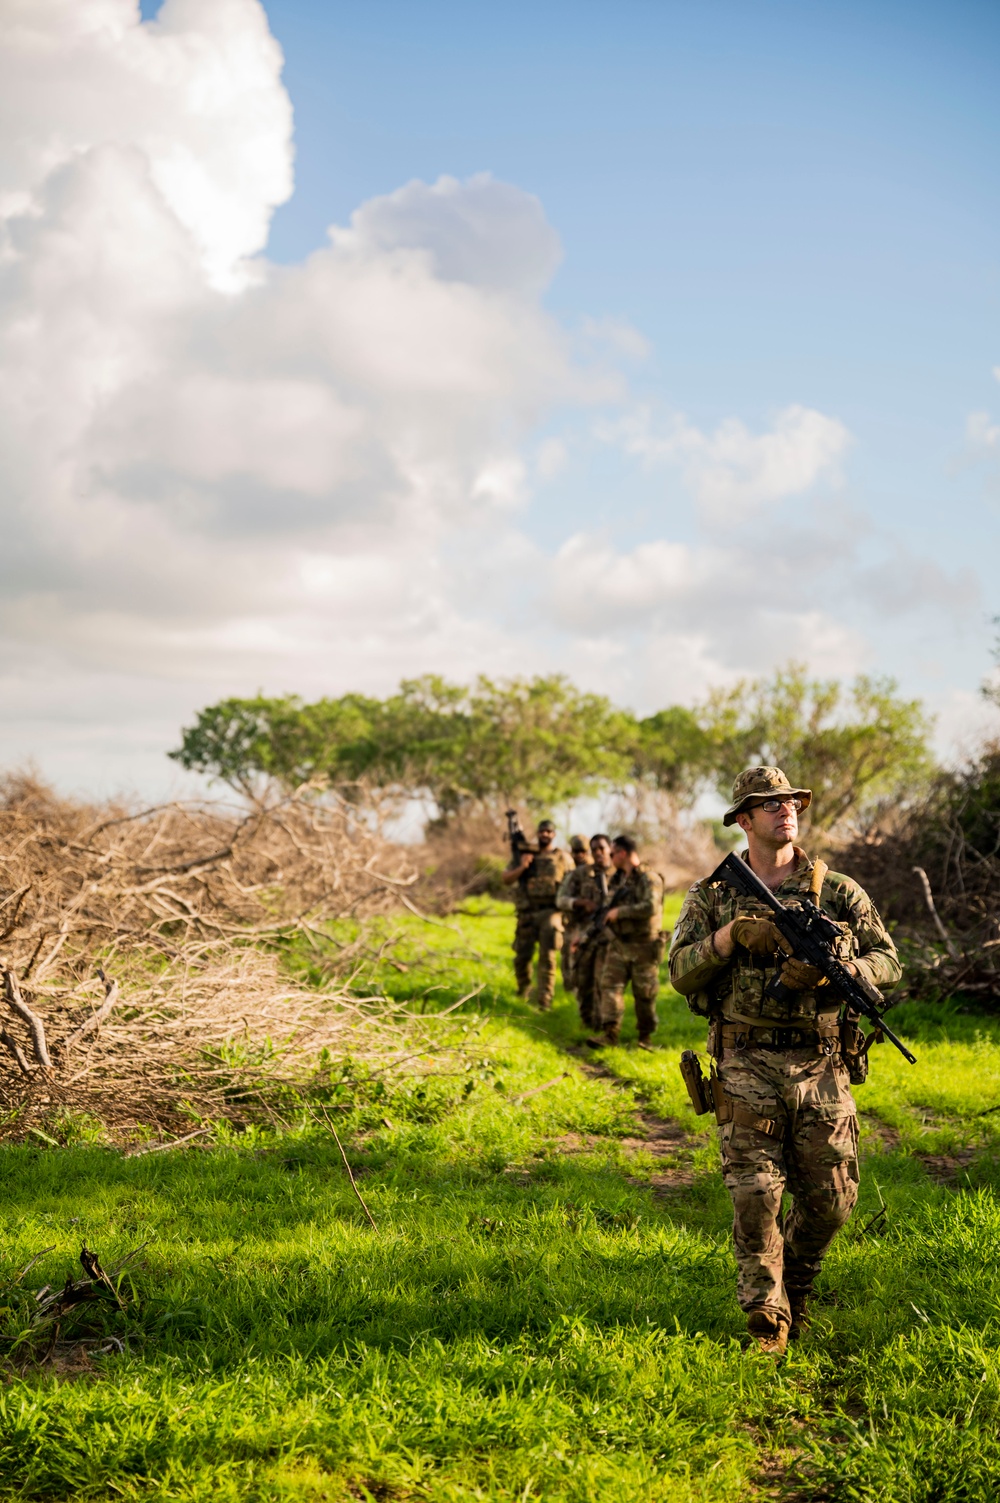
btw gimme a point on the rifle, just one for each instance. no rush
(519, 845)
(596, 924)
(810, 935)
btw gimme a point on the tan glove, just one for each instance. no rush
(758, 935)
(800, 976)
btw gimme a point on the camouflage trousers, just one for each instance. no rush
(567, 958)
(816, 1161)
(541, 927)
(622, 961)
(586, 963)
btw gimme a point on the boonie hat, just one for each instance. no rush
(762, 783)
(577, 843)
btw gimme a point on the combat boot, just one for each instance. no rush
(799, 1303)
(646, 1042)
(769, 1331)
(606, 1040)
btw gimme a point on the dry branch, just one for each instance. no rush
(178, 914)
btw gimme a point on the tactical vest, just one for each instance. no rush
(740, 993)
(630, 887)
(544, 876)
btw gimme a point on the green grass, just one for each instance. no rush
(529, 1321)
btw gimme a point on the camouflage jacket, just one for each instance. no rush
(541, 884)
(637, 893)
(734, 988)
(581, 882)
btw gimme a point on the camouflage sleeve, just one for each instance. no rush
(693, 961)
(876, 956)
(694, 964)
(643, 895)
(567, 892)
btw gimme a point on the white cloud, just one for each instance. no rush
(735, 473)
(220, 475)
(196, 94)
(981, 431)
(486, 233)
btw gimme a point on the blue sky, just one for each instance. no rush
(752, 414)
(791, 202)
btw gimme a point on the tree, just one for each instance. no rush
(850, 745)
(240, 741)
(539, 741)
(543, 742)
(675, 754)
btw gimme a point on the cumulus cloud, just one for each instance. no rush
(221, 474)
(196, 94)
(732, 471)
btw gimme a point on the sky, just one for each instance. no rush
(653, 343)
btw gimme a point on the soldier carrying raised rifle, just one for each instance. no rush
(784, 1055)
(535, 874)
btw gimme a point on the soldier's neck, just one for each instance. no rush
(772, 864)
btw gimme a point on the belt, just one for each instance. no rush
(824, 1038)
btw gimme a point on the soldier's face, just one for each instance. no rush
(602, 855)
(775, 829)
(546, 835)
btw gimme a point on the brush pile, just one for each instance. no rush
(934, 870)
(140, 952)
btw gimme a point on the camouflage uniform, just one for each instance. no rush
(782, 1065)
(582, 863)
(633, 952)
(582, 882)
(539, 923)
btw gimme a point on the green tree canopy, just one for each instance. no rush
(850, 744)
(541, 741)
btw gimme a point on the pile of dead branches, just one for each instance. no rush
(140, 951)
(934, 872)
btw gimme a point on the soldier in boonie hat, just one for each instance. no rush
(783, 1063)
(759, 784)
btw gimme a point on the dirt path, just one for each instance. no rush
(671, 1147)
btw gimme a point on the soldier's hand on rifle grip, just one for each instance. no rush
(800, 976)
(758, 935)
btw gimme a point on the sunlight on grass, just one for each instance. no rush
(530, 1320)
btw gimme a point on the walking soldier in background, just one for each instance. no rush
(634, 947)
(582, 896)
(781, 1090)
(536, 877)
(582, 869)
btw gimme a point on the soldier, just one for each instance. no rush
(634, 948)
(537, 876)
(794, 1122)
(582, 893)
(582, 868)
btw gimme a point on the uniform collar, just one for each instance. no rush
(803, 865)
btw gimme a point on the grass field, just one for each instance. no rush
(546, 1310)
